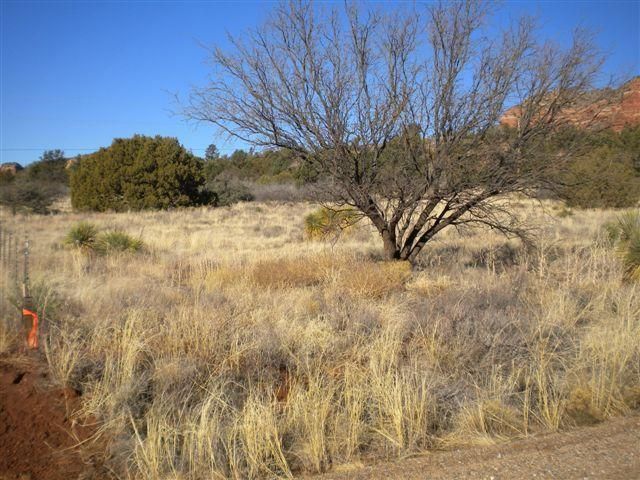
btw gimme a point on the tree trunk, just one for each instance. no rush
(391, 250)
(413, 255)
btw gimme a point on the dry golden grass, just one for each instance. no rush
(234, 348)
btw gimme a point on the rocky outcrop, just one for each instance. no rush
(627, 112)
(10, 168)
(72, 162)
(621, 109)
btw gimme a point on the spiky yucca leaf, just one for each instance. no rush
(83, 236)
(117, 242)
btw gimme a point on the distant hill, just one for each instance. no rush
(622, 111)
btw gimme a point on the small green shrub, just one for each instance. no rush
(325, 222)
(117, 241)
(83, 236)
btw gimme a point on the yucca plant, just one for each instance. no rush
(624, 233)
(325, 222)
(117, 241)
(83, 236)
(631, 257)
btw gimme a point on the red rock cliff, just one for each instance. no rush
(623, 111)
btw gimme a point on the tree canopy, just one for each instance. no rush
(35, 188)
(135, 174)
(401, 110)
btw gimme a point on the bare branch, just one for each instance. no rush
(401, 112)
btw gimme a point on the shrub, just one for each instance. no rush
(607, 174)
(82, 236)
(117, 242)
(602, 180)
(227, 190)
(35, 188)
(245, 176)
(279, 178)
(137, 173)
(279, 192)
(24, 194)
(51, 168)
(326, 222)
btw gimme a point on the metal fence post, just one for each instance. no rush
(29, 316)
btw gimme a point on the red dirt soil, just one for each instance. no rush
(39, 438)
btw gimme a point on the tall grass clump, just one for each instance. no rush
(8, 338)
(64, 350)
(606, 376)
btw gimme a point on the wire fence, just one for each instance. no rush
(16, 311)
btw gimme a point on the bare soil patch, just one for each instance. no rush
(39, 437)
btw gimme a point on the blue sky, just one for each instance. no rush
(74, 75)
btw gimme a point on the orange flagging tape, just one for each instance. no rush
(32, 338)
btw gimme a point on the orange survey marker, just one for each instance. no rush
(32, 337)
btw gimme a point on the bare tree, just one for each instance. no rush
(401, 112)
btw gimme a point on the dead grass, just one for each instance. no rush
(235, 348)
(286, 273)
(374, 280)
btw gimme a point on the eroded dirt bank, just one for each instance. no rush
(39, 438)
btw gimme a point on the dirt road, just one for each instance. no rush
(607, 451)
